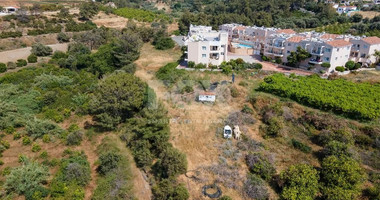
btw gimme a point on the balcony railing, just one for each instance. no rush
(316, 61)
(319, 53)
(278, 54)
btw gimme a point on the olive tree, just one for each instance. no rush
(39, 49)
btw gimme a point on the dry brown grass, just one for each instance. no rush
(369, 14)
(364, 76)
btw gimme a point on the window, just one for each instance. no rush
(348, 48)
(346, 56)
(337, 49)
(327, 59)
(336, 58)
(289, 44)
(222, 53)
(288, 52)
(328, 50)
(204, 55)
(204, 48)
(365, 46)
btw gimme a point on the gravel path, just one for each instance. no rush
(14, 55)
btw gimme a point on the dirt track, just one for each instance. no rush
(14, 55)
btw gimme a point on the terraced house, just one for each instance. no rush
(326, 49)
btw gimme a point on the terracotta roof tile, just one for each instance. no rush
(372, 40)
(286, 31)
(339, 43)
(329, 36)
(296, 39)
(240, 28)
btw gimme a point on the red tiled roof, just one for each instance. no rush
(339, 43)
(296, 39)
(286, 31)
(372, 40)
(240, 28)
(329, 36)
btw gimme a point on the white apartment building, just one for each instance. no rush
(211, 47)
(324, 48)
(206, 46)
(363, 50)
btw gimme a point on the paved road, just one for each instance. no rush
(14, 55)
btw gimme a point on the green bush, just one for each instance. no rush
(168, 189)
(26, 140)
(3, 67)
(191, 64)
(300, 182)
(59, 54)
(38, 128)
(274, 127)
(11, 65)
(16, 136)
(234, 92)
(278, 60)
(247, 109)
(46, 138)
(341, 178)
(21, 63)
(27, 177)
(335, 148)
(255, 187)
(1, 162)
(62, 37)
(32, 58)
(225, 197)
(44, 155)
(39, 49)
(258, 164)
(340, 69)
(74, 138)
(36, 148)
(350, 65)
(264, 58)
(200, 66)
(163, 43)
(108, 161)
(169, 74)
(326, 65)
(171, 163)
(301, 146)
(258, 66)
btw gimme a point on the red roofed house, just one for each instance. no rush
(363, 50)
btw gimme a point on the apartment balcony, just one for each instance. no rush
(269, 52)
(278, 46)
(317, 53)
(315, 61)
(277, 54)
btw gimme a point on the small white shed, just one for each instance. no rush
(207, 97)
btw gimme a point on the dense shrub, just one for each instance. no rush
(36, 148)
(335, 148)
(3, 67)
(341, 178)
(168, 189)
(163, 43)
(11, 65)
(191, 64)
(59, 54)
(39, 49)
(274, 127)
(46, 30)
(10, 34)
(340, 69)
(74, 138)
(108, 161)
(260, 165)
(62, 37)
(21, 63)
(169, 74)
(340, 135)
(37, 128)
(326, 65)
(32, 58)
(338, 95)
(27, 177)
(300, 182)
(350, 65)
(171, 163)
(234, 92)
(301, 146)
(72, 26)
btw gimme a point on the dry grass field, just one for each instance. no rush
(369, 14)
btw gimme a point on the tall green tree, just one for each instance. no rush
(117, 98)
(295, 58)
